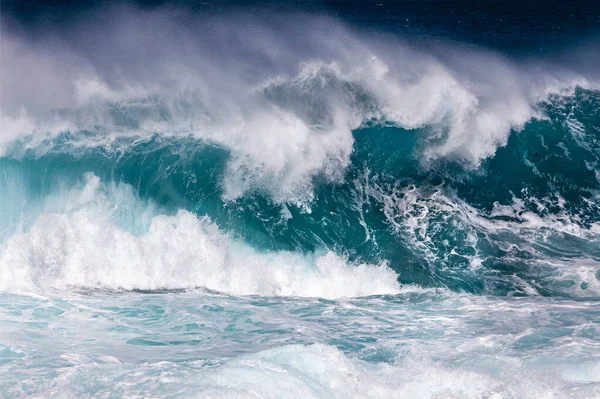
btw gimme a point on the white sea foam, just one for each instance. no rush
(80, 241)
(284, 99)
(421, 215)
(434, 344)
(319, 371)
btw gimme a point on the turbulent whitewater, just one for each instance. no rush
(236, 206)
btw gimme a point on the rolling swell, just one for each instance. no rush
(532, 228)
(215, 201)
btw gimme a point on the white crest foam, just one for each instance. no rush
(286, 115)
(76, 243)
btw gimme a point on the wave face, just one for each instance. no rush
(479, 229)
(364, 216)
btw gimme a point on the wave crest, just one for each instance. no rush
(286, 115)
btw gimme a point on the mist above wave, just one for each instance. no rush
(284, 98)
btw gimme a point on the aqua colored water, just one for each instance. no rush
(331, 201)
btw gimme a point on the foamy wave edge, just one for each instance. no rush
(81, 246)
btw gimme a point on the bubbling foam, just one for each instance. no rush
(443, 229)
(78, 243)
(319, 371)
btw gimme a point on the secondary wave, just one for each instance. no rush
(79, 244)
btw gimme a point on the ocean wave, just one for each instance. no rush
(81, 247)
(286, 122)
(212, 200)
(318, 371)
(341, 146)
(443, 225)
(511, 249)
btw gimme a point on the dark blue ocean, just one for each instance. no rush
(317, 199)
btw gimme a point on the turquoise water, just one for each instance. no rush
(197, 344)
(481, 230)
(361, 217)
